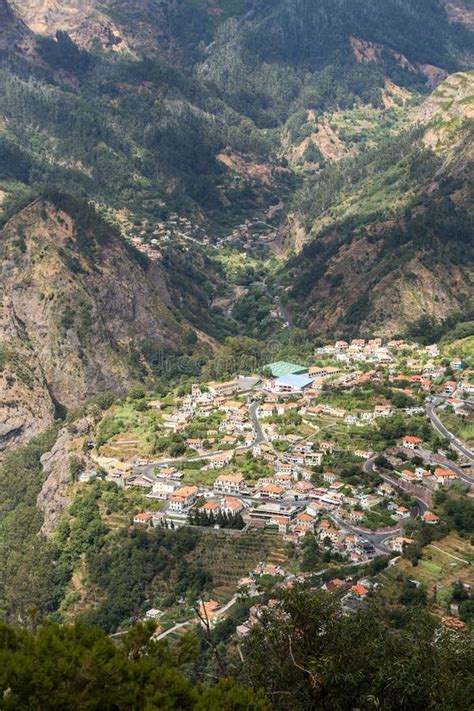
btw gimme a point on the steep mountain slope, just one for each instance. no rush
(76, 306)
(292, 54)
(138, 135)
(392, 230)
(171, 29)
(257, 83)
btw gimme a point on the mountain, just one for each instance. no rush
(81, 311)
(218, 111)
(391, 229)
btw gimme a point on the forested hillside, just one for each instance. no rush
(392, 229)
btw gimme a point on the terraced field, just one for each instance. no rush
(230, 558)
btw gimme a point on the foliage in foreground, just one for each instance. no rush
(307, 655)
(79, 667)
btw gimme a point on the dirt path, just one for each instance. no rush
(461, 560)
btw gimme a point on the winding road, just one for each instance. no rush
(444, 432)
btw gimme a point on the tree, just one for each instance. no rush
(307, 655)
(79, 667)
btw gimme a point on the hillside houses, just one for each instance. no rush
(229, 483)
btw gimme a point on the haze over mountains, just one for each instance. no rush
(353, 118)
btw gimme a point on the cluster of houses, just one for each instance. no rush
(288, 500)
(175, 229)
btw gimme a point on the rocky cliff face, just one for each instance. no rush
(54, 497)
(15, 36)
(72, 311)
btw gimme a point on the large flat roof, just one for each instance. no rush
(281, 367)
(295, 381)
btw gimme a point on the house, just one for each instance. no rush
(383, 410)
(407, 475)
(267, 409)
(444, 476)
(210, 507)
(330, 477)
(333, 585)
(285, 468)
(208, 611)
(197, 444)
(450, 387)
(410, 442)
(142, 519)
(139, 481)
(402, 512)
(398, 544)
(368, 500)
(331, 533)
(385, 489)
(327, 447)
(229, 483)
(284, 480)
(430, 518)
(421, 473)
(153, 614)
(182, 498)
(359, 591)
(273, 491)
(305, 522)
(272, 570)
(282, 522)
(363, 454)
(227, 388)
(356, 516)
(231, 506)
(163, 489)
(219, 461)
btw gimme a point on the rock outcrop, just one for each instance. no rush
(73, 313)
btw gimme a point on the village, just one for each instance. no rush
(150, 239)
(347, 452)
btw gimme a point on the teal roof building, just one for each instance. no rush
(281, 368)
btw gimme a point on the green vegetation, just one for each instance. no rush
(323, 660)
(79, 667)
(132, 562)
(29, 580)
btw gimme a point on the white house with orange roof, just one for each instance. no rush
(183, 498)
(444, 476)
(229, 483)
(272, 491)
(219, 461)
(410, 442)
(430, 518)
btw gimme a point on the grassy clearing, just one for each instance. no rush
(443, 563)
(462, 428)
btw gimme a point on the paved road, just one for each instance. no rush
(377, 539)
(177, 627)
(441, 429)
(260, 437)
